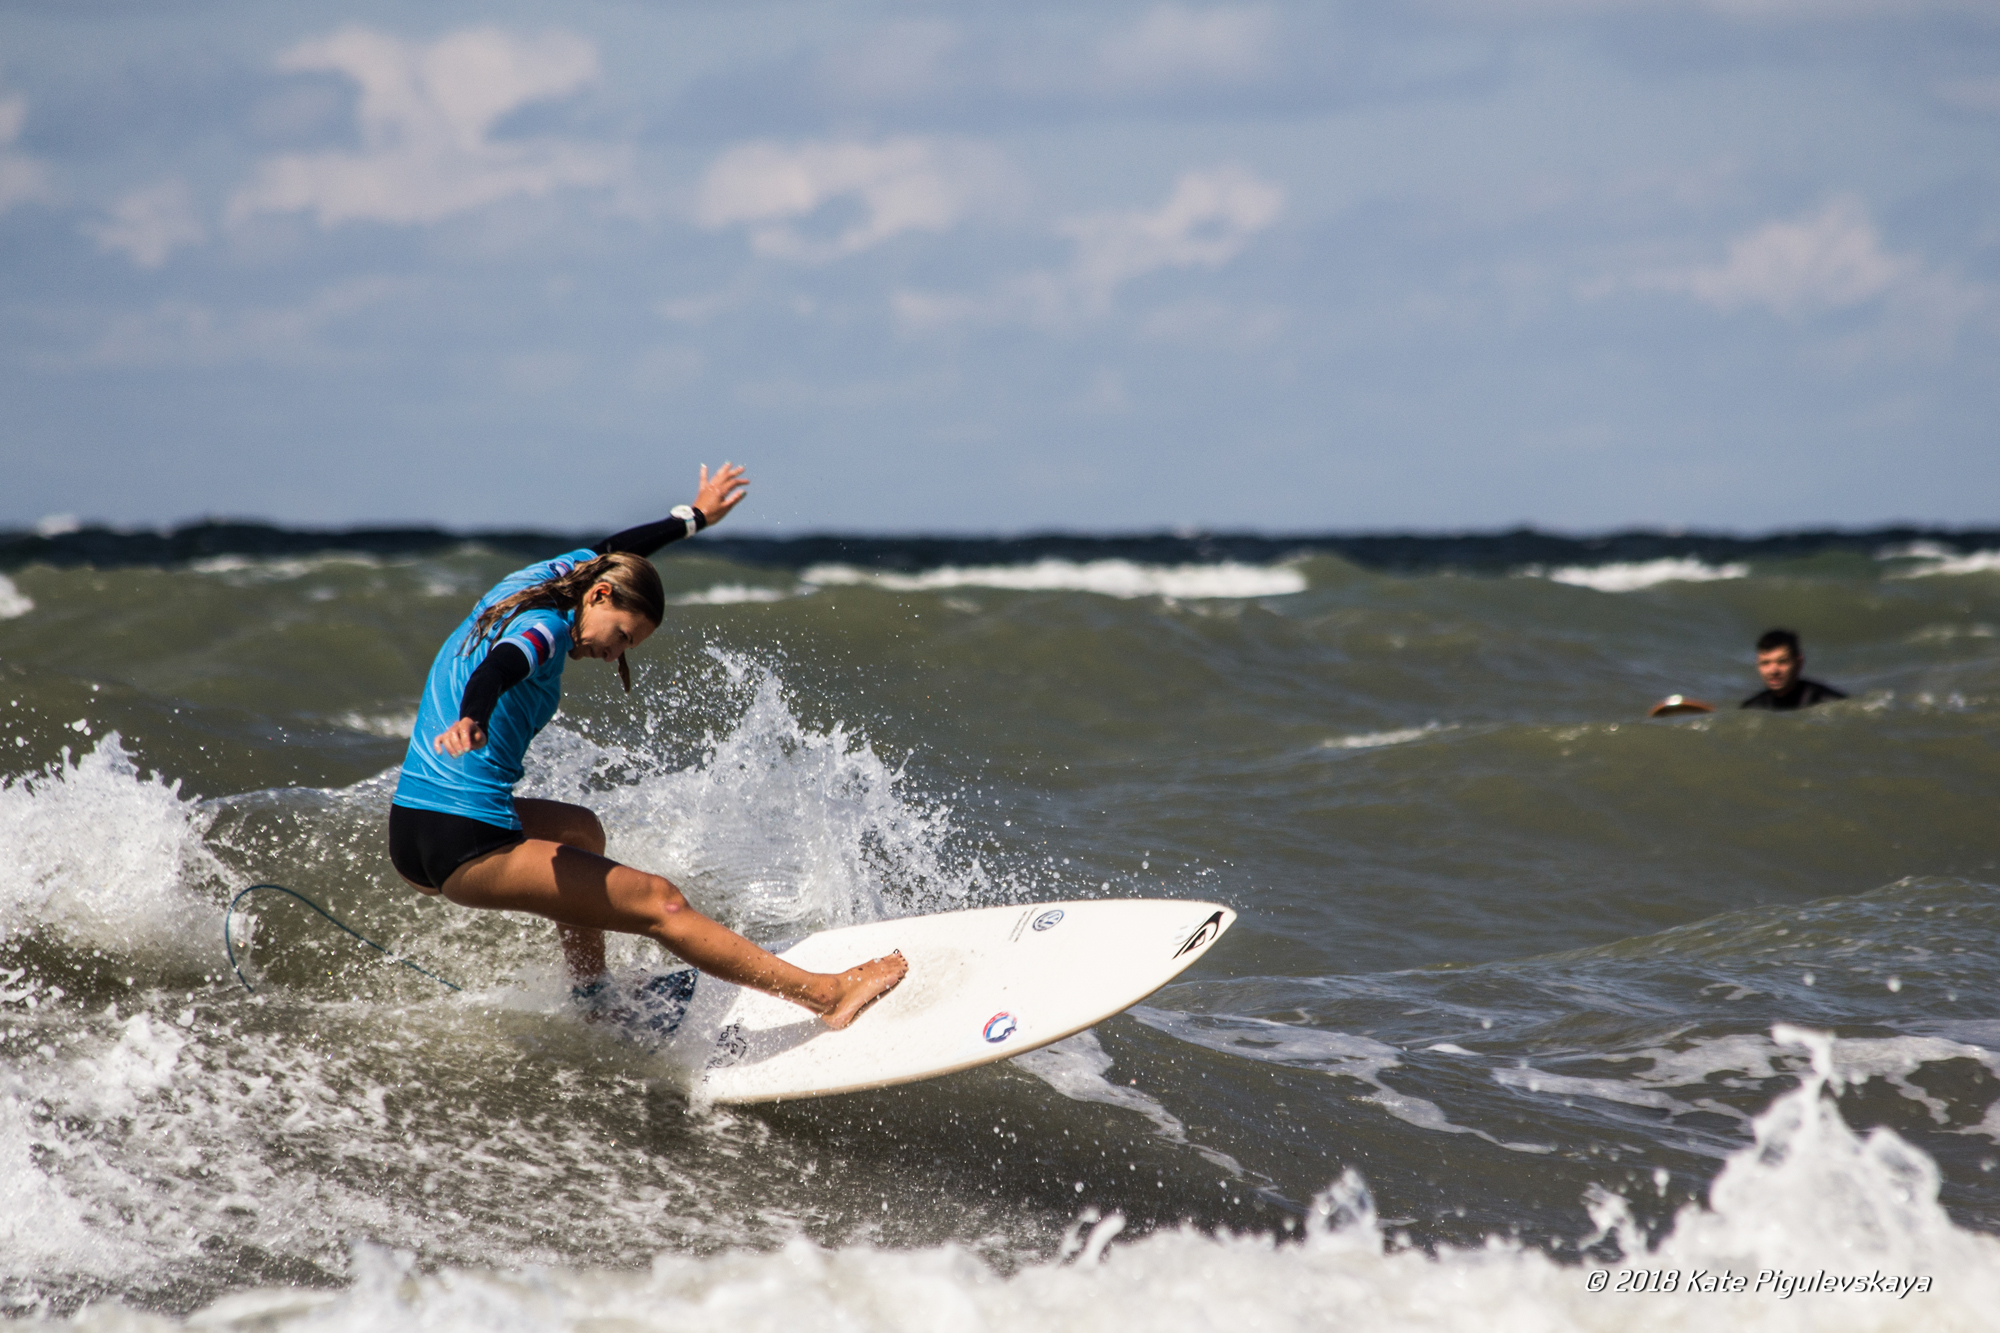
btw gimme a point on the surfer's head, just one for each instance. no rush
(1779, 659)
(614, 602)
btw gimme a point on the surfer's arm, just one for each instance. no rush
(713, 500)
(504, 668)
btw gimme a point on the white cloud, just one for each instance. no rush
(1832, 260)
(23, 179)
(1172, 44)
(1206, 221)
(151, 223)
(1829, 261)
(899, 185)
(426, 119)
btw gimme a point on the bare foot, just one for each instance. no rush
(862, 986)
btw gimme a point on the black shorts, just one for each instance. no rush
(425, 846)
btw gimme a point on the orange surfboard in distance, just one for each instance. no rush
(1679, 703)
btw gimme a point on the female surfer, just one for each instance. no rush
(456, 827)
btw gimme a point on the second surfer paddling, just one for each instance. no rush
(456, 828)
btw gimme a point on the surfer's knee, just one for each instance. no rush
(661, 901)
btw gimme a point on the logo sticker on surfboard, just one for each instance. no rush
(1049, 920)
(1000, 1027)
(1205, 932)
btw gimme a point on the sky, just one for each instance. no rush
(981, 267)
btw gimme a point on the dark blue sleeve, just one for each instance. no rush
(504, 668)
(650, 537)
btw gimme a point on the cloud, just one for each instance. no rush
(23, 179)
(898, 185)
(1829, 261)
(426, 119)
(151, 223)
(1832, 261)
(1173, 45)
(1206, 221)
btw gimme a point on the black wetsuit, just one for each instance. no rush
(1803, 694)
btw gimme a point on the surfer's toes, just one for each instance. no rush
(862, 986)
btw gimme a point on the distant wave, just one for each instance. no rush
(1977, 562)
(1630, 576)
(1110, 578)
(13, 602)
(731, 594)
(1516, 550)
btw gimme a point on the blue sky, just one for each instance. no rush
(1579, 263)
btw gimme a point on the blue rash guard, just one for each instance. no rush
(480, 784)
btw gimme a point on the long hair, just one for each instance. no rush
(634, 584)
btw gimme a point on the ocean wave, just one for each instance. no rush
(1369, 740)
(1813, 1225)
(13, 602)
(102, 857)
(246, 569)
(1631, 576)
(731, 594)
(1975, 562)
(1109, 578)
(395, 726)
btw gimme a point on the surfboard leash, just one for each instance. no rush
(229, 939)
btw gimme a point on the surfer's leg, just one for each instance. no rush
(572, 826)
(575, 887)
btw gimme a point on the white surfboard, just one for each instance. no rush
(983, 985)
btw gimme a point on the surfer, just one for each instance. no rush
(456, 828)
(1779, 661)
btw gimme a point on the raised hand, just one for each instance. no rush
(722, 492)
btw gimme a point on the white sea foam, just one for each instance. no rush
(732, 594)
(781, 828)
(105, 857)
(399, 724)
(13, 602)
(1076, 1068)
(1809, 1198)
(1631, 576)
(1337, 1054)
(1109, 578)
(1976, 562)
(1369, 740)
(1915, 551)
(242, 570)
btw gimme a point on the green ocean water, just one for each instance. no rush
(1505, 944)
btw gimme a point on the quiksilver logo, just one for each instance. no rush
(1205, 932)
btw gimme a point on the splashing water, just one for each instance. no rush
(1828, 1230)
(105, 858)
(779, 829)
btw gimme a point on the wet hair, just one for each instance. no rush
(634, 584)
(1773, 639)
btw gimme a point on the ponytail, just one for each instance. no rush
(634, 585)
